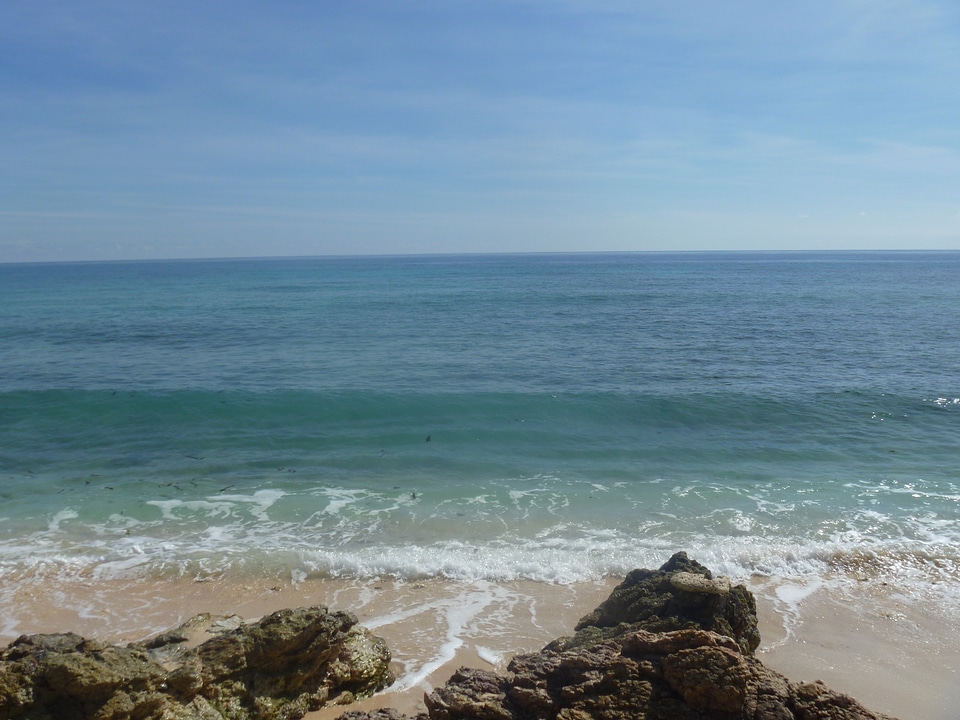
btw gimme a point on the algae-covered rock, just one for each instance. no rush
(65, 676)
(364, 663)
(279, 668)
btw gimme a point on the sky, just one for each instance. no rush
(135, 130)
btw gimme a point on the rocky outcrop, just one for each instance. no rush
(641, 675)
(670, 644)
(681, 595)
(281, 667)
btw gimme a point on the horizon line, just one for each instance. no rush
(517, 253)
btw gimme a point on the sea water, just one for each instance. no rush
(547, 417)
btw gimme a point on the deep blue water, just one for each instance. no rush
(548, 416)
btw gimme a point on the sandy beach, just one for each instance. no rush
(896, 655)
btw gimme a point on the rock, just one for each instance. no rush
(680, 675)
(661, 647)
(365, 662)
(691, 582)
(65, 676)
(279, 668)
(670, 644)
(226, 624)
(378, 714)
(651, 600)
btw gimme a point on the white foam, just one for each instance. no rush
(259, 502)
(223, 509)
(339, 498)
(946, 402)
(742, 521)
(356, 534)
(10, 626)
(489, 656)
(458, 614)
(63, 515)
(791, 594)
(220, 506)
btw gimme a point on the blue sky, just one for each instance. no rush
(223, 129)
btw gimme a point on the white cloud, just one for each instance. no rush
(644, 121)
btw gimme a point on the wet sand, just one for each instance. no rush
(894, 655)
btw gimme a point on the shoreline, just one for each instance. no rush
(895, 655)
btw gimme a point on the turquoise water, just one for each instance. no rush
(556, 417)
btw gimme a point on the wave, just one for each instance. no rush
(542, 486)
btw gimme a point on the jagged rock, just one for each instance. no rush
(651, 651)
(289, 663)
(677, 675)
(649, 600)
(659, 648)
(378, 714)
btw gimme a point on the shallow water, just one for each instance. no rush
(558, 417)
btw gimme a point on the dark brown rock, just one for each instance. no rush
(648, 600)
(678, 675)
(659, 648)
(378, 714)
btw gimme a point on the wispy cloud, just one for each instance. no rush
(658, 112)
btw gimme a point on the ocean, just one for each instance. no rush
(552, 417)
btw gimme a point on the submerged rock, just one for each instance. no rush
(281, 667)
